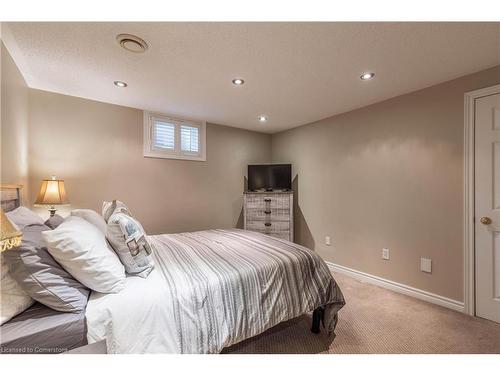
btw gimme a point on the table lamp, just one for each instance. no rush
(52, 193)
(9, 236)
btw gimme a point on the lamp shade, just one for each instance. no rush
(52, 192)
(9, 235)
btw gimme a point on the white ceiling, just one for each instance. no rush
(295, 73)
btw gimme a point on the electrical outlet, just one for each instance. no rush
(426, 265)
(385, 254)
(327, 240)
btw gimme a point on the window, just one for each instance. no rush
(172, 138)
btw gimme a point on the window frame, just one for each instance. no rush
(153, 152)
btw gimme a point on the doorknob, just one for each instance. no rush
(485, 220)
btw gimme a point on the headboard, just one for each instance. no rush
(10, 196)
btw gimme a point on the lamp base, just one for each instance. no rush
(52, 211)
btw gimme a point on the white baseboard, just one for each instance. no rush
(400, 288)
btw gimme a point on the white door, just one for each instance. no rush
(487, 211)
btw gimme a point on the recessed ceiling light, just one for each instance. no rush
(262, 118)
(132, 43)
(238, 81)
(120, 84)
(367, 76)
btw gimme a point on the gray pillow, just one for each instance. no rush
(54, 221)
(41, 277)
(128, 239)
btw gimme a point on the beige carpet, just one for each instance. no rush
(376, 320)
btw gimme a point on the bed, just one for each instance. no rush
(209, 290)
(212, 289)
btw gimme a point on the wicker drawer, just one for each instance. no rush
(267, 227)
(269, 215)
(276, 201)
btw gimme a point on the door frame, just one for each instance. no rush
(469, 195)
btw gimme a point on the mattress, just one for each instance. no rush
(41, 330)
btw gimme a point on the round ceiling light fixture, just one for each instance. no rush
(367, 76)
(262, 118)
(238, 81)
(120, 84)
(132, 43)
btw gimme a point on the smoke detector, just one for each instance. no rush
(132, 43)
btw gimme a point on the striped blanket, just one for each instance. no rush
(218, 287)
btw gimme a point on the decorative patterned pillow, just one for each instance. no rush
(109, 208)
(127, 237)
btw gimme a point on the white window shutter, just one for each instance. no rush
(190, 139)
(164, 135)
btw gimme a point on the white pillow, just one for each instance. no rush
(92, 217)
(81, 249)
(22, 217)
(13, 300)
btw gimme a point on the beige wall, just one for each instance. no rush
(387, 175)
(14, 123)
(97, 148)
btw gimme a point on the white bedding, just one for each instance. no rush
(212, 289)
(143, 303)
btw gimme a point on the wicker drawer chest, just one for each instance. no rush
(270, 213)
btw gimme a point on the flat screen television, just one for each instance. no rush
(270, 177)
